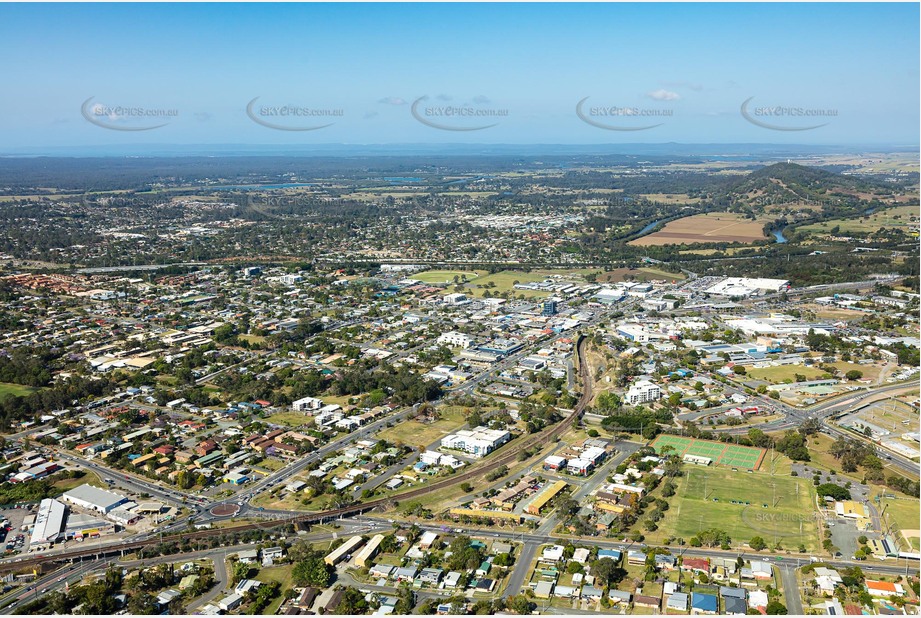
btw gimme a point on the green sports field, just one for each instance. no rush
(731, 455)
(745, 505)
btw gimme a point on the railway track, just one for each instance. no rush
(510, 456)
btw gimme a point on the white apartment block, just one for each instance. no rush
(643, 391)
(455, 340)
(478, 442)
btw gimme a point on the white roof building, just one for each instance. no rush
(49, 522)
(93, 499)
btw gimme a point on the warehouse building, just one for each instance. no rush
(49, 524)
(93, 499)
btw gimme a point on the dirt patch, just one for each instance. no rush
(225, 510)
(709, 228)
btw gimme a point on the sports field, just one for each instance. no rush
(745, 505)
(445, 276)
(709, 228)
(731, 455)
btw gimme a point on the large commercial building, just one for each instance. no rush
(94, 499)
(49, 524)
(478, 442)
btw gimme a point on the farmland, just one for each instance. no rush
(714, 227)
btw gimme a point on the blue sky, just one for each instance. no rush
(522, 68)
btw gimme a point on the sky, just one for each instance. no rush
(121, 75)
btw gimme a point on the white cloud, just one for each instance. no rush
(393, 101)
(663, 95)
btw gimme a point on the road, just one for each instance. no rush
(791, 590)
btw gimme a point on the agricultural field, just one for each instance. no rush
(785, 373)
(902, 217)
(709, 228)
(17, 390)
(745, 505)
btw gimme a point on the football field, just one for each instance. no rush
(780, 509)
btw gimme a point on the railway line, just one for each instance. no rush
(509, 456)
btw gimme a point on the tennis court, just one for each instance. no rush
(732, 455)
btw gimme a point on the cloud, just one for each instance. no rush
(481, 100)
(202, 116)
(393, 101)
(444, 97)
(663, 95)
(369, 115)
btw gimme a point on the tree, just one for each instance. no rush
(775, 608)
(853, 374)
(757, 543)
(311, 570)
(352, 602)
(239, 572)
(835, 491)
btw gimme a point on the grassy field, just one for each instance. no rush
(780, 510)
(904, 217)
(783, 373)
(90, 478)
(252, 338)
(903, 512)
(834, 313)
(445, 276)
(708, 228)
(414, 433)
(288, 419)
(869, 371)
(17, 390)
(282, 575)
